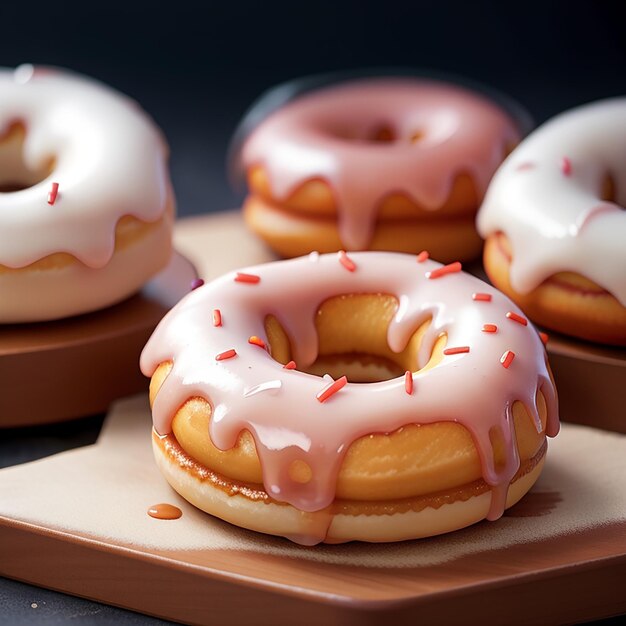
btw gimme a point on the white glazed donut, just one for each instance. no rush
(454, 431)
(555, 223)
(86, 205)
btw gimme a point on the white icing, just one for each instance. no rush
(555, 219)
(109, 161)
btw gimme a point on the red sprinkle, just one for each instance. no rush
(458, 350)
(566, 166)
(52, 194)
(346, 261)
(217, 317)
(422, 256)
(247, 278)
(481, 297)
(544, 337)
(196, 282)
(517, 318)
(490, 328)
(451, 268)
(290, 366)
(257, 341)
(331, 389)
(408, 382)
(507, 358)
(228, 354)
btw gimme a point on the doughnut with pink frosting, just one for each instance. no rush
(86, 205)
(381, 164)
(365, 396)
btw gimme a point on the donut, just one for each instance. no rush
(86, 204)
(375, 396)
(394, 164)
(555, 224)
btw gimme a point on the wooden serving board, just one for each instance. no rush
(77, 522)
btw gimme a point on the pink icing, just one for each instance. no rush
(280, 406)
(328, 135)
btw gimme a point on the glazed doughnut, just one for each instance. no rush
(384, 164)
(555, 223)
(375, 397)
(86, 205)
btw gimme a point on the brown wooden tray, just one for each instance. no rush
(591, 380)
(69, 368)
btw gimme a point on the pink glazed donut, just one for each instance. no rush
(381, 164)
(372, 396)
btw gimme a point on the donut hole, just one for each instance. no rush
(352, 340)
(376, 134)
(15, 174)
(383, 134)
(387, 134)
(608, 191)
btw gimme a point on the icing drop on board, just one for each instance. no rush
(165, 511)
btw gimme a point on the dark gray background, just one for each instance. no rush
(196, 67)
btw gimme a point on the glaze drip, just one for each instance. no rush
(328, 135)
(288, 422)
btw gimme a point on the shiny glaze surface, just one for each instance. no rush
(109, 160)
(546, 198)
(280, 406)
(439, 131)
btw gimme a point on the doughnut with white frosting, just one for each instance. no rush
(555, 223)
(86, 205)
